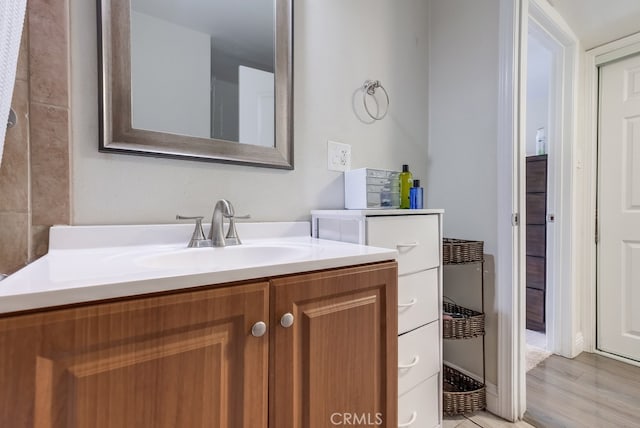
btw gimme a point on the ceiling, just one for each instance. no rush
(596, 22)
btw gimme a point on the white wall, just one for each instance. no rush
(539, 65)
(338, 45)
(463, 101)
(170, 77)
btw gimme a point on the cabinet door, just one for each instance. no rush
(337, 363)
(182, 360)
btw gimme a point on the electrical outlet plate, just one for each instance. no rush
(338, 156)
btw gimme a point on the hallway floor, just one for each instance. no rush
(480, 419)
(589, 391)
(537, 339)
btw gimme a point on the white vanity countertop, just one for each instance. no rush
(377, 212)
(89, 263)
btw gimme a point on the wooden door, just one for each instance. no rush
(337, 363)
(618, 290)
(183, 360)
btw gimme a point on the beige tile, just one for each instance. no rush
(39, 242)
(48, 51)
(452, 421)
(467, 424)
(14, 169)
(50, 169)
(13, 241)
(488, 420)
(22, 71)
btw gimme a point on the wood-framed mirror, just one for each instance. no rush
(207, 80)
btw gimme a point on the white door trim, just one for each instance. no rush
(510, 404)
(592, 59)
(511, 259)
(554, 201)
(562, 307)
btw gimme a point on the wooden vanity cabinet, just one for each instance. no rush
(181, 360)
(189, 359)
(337, 362)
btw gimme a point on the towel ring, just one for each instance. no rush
(369, 88)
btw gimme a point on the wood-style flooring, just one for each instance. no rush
(590, 391)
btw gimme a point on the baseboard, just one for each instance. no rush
(578, 346)
(492, 389)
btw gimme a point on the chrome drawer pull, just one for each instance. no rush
(413, 363)
(414, 416)
(412, 302)
(408, 245)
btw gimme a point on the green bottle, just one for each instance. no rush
(406, 182)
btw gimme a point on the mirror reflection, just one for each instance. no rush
(204, 68)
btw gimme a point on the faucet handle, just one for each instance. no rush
(197, 238)
(239, 217)
(232, 237)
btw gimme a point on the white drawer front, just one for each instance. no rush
(420, 406)
(418, 356)
(415, 237)
(417, 300)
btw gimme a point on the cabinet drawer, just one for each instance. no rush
(535, 305)
(536, 175)
(537, 208)
(536, 272)
(414, 236)
(417, 300)
(536, 241)
(420, 406)
(418, 356)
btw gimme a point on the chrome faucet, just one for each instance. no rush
(222, 209)
(216, 238)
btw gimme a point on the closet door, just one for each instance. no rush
(618, 295)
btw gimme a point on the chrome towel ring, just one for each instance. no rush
(369, 88)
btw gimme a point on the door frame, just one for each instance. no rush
(563, 334)
(511, 257)
(593, 59)
(510, 383)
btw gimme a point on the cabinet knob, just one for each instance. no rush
(287, 320)
(259, 329)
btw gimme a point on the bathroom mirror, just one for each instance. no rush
(197, 79)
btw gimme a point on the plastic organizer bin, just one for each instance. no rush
(367, 188)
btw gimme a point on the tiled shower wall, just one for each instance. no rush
(35, 169)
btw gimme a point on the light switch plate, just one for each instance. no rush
(338, 156)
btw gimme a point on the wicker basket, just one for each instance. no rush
(461, 251)
(472, 325)
(461, 393)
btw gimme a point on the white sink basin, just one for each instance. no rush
(224, 258)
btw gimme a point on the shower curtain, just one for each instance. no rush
(11, 21)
